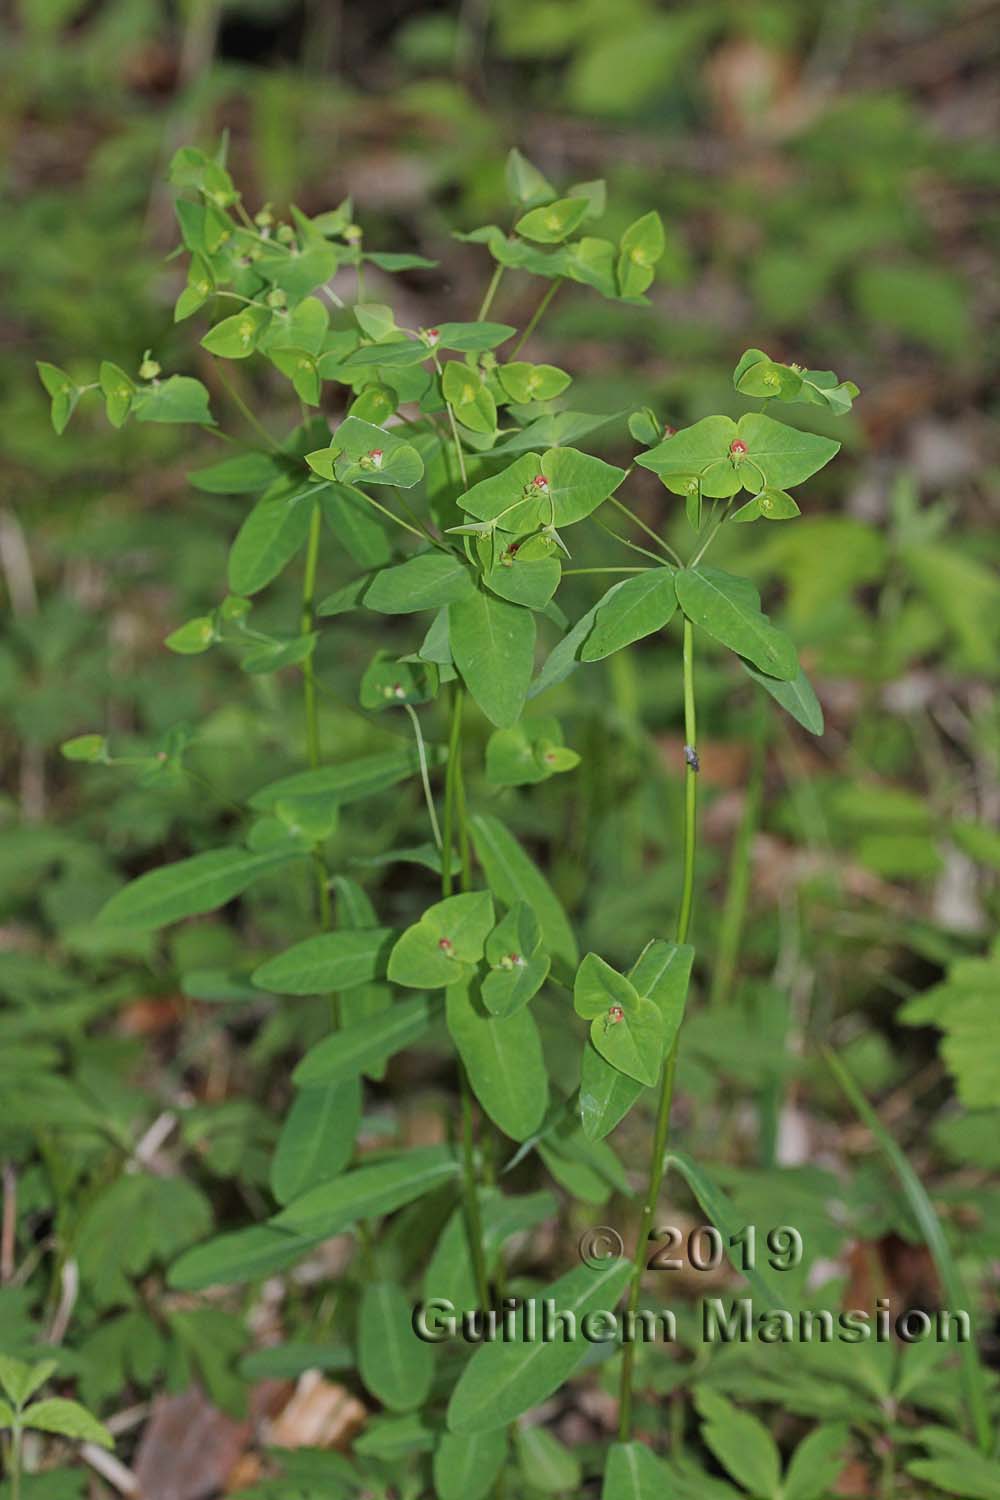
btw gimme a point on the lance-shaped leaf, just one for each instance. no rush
(740, 1442)
(317, 1138)
(466, 1465)
(719, 604)
(503, 1058)
(363, 454)
(425, 582)
(626, 1029)
(327, 963)
(547, 1464)
(378, 1188)
(68, 1419)
(470, 338)
(270, 537)
(366, 1045)
(634, 1472)
(442, 947)
(191, 887)
(493, 647)
(393, 1362)
(504, 1379)
(513, 876)
(642, 605)
(797, 697)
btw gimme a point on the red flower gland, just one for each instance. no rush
(669, 432)
(376, 455)
(433, 334)
(447, 946)
(738, 448)
(615, 1015)
(540, 482)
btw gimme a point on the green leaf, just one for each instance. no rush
(375, 320)
(634, 1473)
(642, 605)
(269, 538)
(356, 524)
(741, 1443)
(784, 455)
(718, 603)
(246, 1255)
(190, 887)
(237, 337)
(20, 1381)
(512, 876)
(546, 1463)
(661, 973)
(493, 646)
(438, 950)
(698, 459)
(326, 964)
(344, 782)
(642, 246)
(816, 1464)
(526, 187)
(558, 489)
(472, 338)
(504, 1379)
(179, 399)
(64, 392)
(504, 1061)
(529, 753)
(243, 474)
(300, 273)
(757, 375)
(425, 582)
(369, 1191)
(525, 382)
(68, 1419)
(365, 1045)
(193, 637)
(361, 453)
(90, 748)
(466, 1465)
(118, 389)
(551, 223)
(393, 1362)
(626, 1029)
(797, 697)
(726, 1218)
(317, 1138)
(469, 397)
(525, 572)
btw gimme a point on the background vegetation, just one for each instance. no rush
(827, 179)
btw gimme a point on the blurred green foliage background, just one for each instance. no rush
(827, 173)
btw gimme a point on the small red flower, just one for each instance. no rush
(738, 448)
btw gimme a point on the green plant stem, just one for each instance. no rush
(245, 411)
(536, 317)
(15, 1462)
(578, 572)
(424, 777)
(657, 1165)
(454, 816)
(632, 546)
(490, 293)
(313, 749)
(638, 521)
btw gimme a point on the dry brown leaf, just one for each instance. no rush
(319, 1415)
(188, 1448)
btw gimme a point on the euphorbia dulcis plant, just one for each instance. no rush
(451, 482)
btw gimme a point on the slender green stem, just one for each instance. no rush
(638, 521)
(456, 440)
(313, 750)
(308, 620)
(424, 778)
(632, 546)
(657, 1166)
(454, 814)
(390, 514)
(577, 572)
(244, 410)
(491, 292)
(15, 1462)
(536, 317)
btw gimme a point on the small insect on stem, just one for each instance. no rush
(691, 758)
